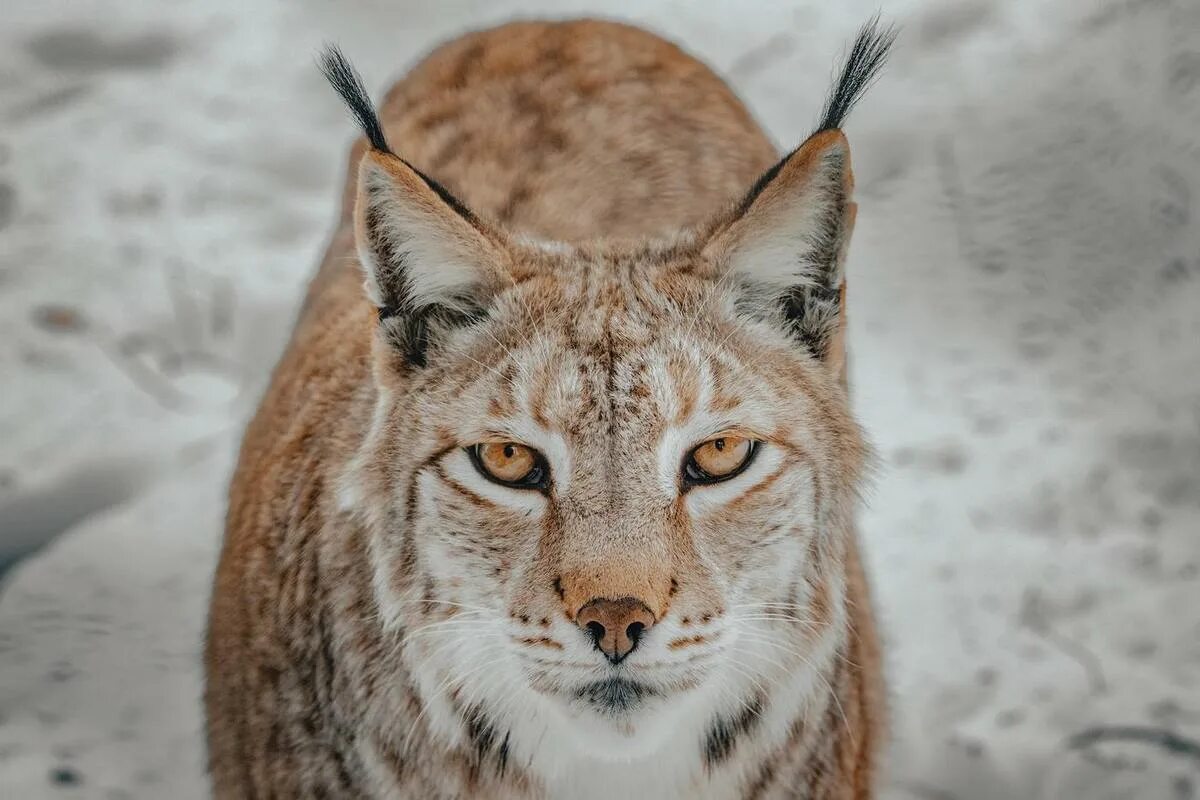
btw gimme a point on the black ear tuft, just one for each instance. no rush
(348, 83)
(866, 59)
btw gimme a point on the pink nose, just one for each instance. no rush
(615, 625)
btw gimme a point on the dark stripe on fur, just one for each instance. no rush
(482, 734)
(411, 501)
(449, 199)
(763, 181)
(724, 733)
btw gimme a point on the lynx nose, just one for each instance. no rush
(615, 625)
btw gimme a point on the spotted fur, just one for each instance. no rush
(632, 277)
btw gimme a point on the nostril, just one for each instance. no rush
(596, 631)
(615, 626)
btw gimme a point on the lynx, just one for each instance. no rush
(559, 502)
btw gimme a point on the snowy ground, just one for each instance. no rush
(1025, 291)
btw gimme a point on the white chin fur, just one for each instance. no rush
(623, 737)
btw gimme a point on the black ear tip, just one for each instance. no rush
(868, 54)
(349, 85)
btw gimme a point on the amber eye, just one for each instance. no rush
(511, 464)
(718, 459)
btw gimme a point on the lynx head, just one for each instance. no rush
(608, 486)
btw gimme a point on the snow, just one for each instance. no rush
(1025, 300)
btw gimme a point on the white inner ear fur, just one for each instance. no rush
(773, 245)
(432, 253)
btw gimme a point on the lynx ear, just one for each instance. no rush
(785, 244)
(785, 247)
(429, 262)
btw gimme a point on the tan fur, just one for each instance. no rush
(630, 154)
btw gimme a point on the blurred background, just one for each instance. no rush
(1025, 328)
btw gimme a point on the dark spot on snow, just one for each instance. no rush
(1146, 561)
(1151, 519)
(65, 776)
(79, 50)
(141, 203)
(1167, 465)
(992, 260)
(972, 748)
(952, 21)
(988, 425)
(1034, 351)
(8, 204)
(1010, 718)
(948, 458)
(49, 102)
(1172, 204)
(1183, 72)
(1051, 435)
(1177, 270)
(147, 777)
(133, 252)
(281, 229)
(1170, 713)
(981, 519)
(1032, 652)
(59, 319)
(1142, 649)
(61, 672)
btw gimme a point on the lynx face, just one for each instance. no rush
(608, 486)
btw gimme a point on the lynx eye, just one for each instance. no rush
(510, 464)
(718, 459)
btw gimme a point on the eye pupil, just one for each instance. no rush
(718, 459)
(510, 464)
